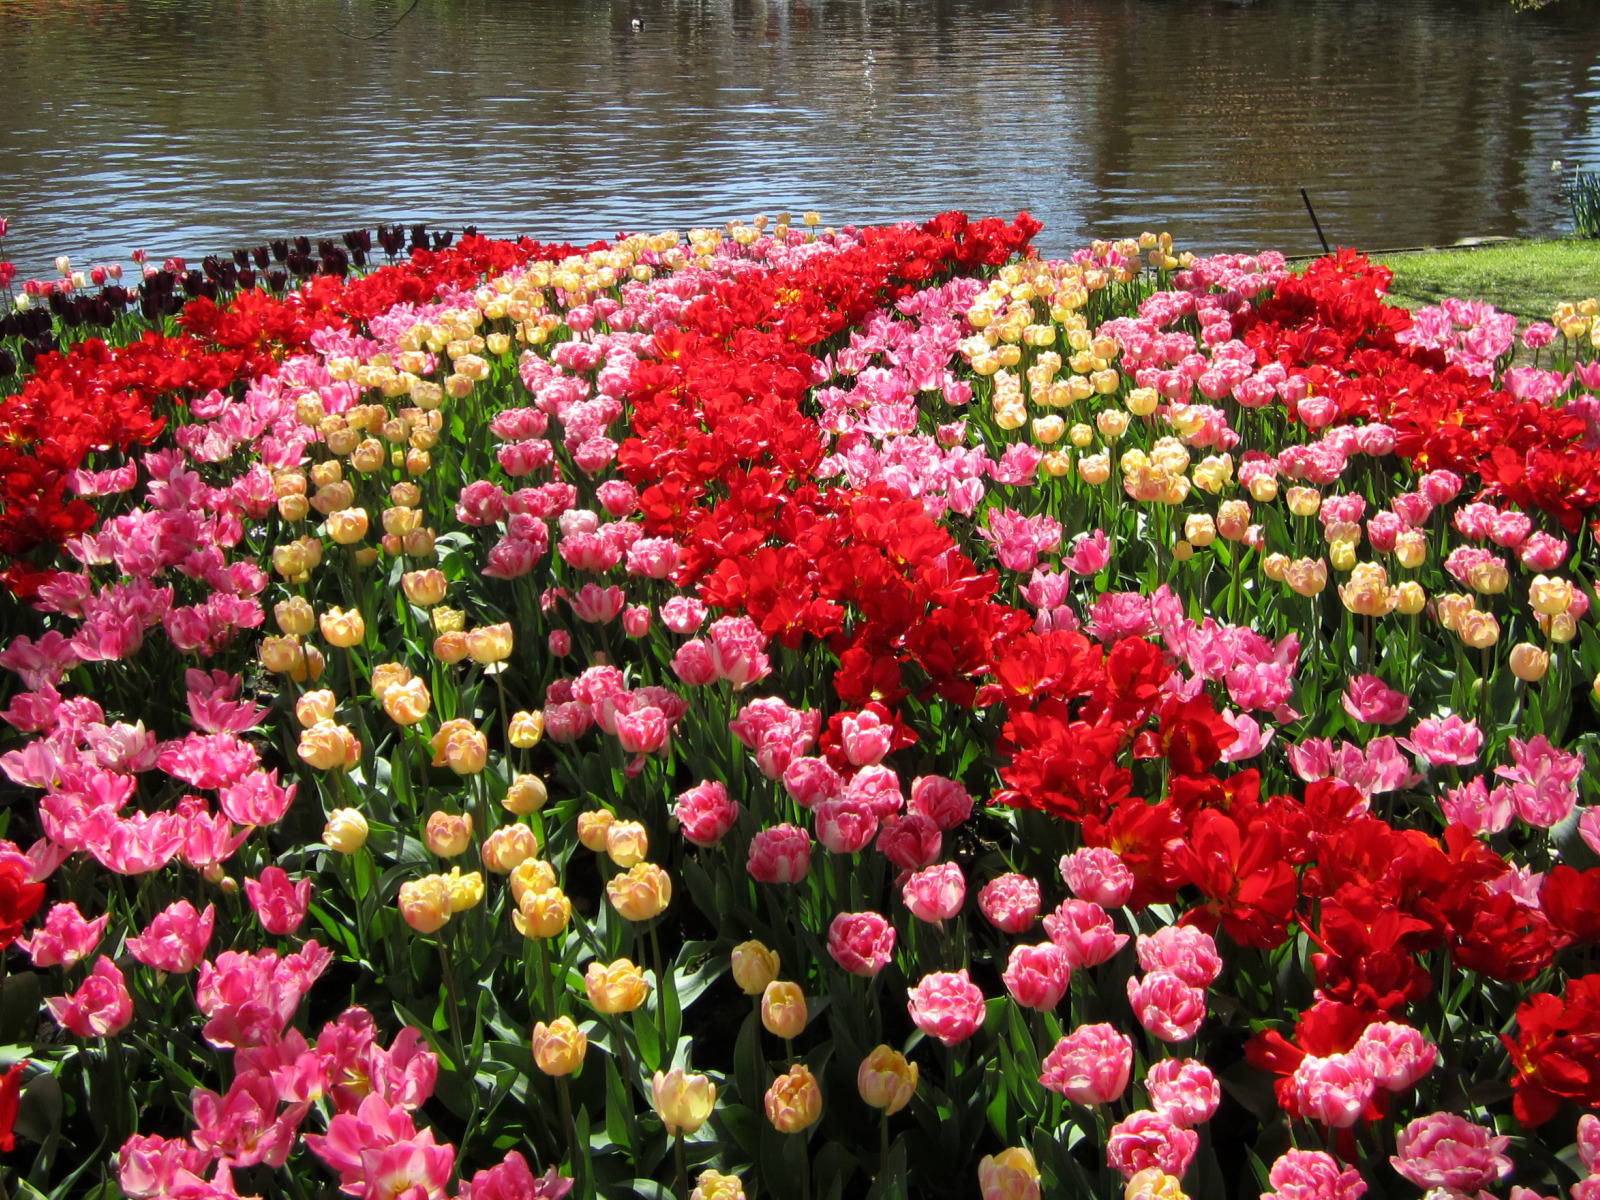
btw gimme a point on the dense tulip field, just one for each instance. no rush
(795, 713)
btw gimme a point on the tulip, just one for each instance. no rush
(508, 846)
(542, 914)
(887, 1080)
(425, 903)
(527, 794)
(490, 644)
(618, 988)
(316, 706)
(531, 875)
(754, 967)
(559, 1047)
(783, 1010)
(1009, 1175)
(794, 1101)
(682, 1101)
(346, 831)
(327, 746)
(526, 729)
(714, 1185)
(407, 703)
(1528, 662)
(343, 627)
(424, 588)
(640, 893)
(447, 834)
(593, 827)
(627, 843)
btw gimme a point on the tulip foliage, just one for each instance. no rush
(790, 713)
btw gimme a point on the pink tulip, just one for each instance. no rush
(781, 854)
(1188, 952)
(1168, 1007)
(151, 1166)
(1443, 1150)
(944, 801)
(844, 826)
(1037, 976)
(809, 781)
(1010, 902)
(245, 1127)
(1084, 930)
(1334, 1090)
(705, 813)
(280, 906)
(866, 738)
(1097, 874)
(910, 842)
(643, 731)
(513, 1179)
(1369, 699)
(1447, 742)
(683, 614)
(935, 893)
(65, 939)
(1313, 1175)
(1395, 1055)
(946, 1005)
(175, 941)
(249, 998)
(692, 663)
(862, 943)
(101, 1007)
(1091, 1065)
(1589, 1142)
(1147, 1139)
(1183, 1090)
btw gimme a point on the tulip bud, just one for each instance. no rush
(1199, 529)
(1342, 554)
(1263, 488)
(887, 1080)
(542, 914)
(1143, 401)
(618, 988)
(1412, 598)
(783, 1009)
(341, 627)
(346, 831)
(755, 966)
(627, 843)
(1307, 577)
(294, 616)
(447, 834)
(348, 525)
(1304, 501)
(315, 706)
(425, 903)
(526, 795)
(1275, 567)
(1410, 549)
(1550, 596)
(682, 1101)
(531, 875)
(466, 891)
(641, 893)
(490, 643)
(794, 1101)
(508, 846)
(592, 827)
(1528, 662)
(559, 1047)
(527, 728)
(424, 588)
(1480, 630)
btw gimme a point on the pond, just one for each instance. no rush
(191, 126)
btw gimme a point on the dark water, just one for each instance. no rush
(187, 126)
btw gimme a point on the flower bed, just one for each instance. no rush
(780, 713)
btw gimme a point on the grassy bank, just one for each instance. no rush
(1528, 278)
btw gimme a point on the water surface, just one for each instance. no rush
(190, 126)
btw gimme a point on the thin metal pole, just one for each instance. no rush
(1315, 223)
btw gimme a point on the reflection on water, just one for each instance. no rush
(198, 125)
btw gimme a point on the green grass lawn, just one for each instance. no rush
(1526, 278)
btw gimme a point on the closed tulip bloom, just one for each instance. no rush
(424, 588)
(1550, 596)
(619, 987)
(1183, 1090)
(1009, 1175)
(425, 903)
(682, 1101)
(507, 846)
(1528, 662)
(388, 675)
(1307, 576)
(327, 747)
(490, 643)
(543, 914)
(783, 1009)
(1412, 598)
(1304, 501)
(946, 1005)
(342, 627)
(527, 728)
(1480, 630)
(794, 1101)
(627, 843)
(1368, 593)
(1038, 976)
(294, 616)
(101, 1007)
(407, 703)
(1090, 1065)
(348, 525)
(714, 1185)
(641, 893)
(754, 967)
(559, 1047)
(1153, 1183)
(345, 831)
(1167, 1006)
(887, 1080)
(447, 834)
(316, 706)
(935, 893)
(527, 794)
(466, 890)
(593, 827)
(531, 875)
(1010, 902)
